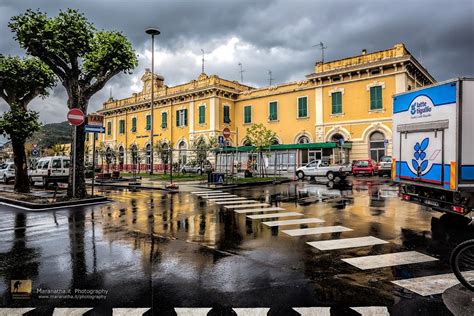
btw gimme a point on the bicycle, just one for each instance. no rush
(462, 263)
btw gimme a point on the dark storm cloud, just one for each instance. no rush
(263, 35)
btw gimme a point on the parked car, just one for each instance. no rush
(385, 166)
(7, 172)
(320, 168)
(50, 170)
(194, 167)
(365, 167)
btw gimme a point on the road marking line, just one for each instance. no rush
(294, 222)
(372, 310)
(129, 311)
(236, 202)
(245, 206)
(256, 210)
(211, 194)
(346, 243)
(206, 191)
(431, 285)
(71, 311)
(194, 311)
(251, 311)
(388, 260)
(313, 311)
(228, 199)
(207, 198)
(316, 230)
(14, 311)
(274, 215)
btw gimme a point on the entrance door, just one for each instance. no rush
(315, 155)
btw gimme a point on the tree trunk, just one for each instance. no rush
(22, 185)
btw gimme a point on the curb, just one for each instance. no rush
(43, 207)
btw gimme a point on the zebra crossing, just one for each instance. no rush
(198, 311)
(428, 285)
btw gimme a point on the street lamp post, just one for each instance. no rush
(152, 31)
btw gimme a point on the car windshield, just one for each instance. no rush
(66, 163)
(386, 159)
(362, 163)
(3, 166)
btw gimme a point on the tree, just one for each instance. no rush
(82, 57)
(59, 149)
(262, 138)
(22, 80)
(163, 149)
(201, 148)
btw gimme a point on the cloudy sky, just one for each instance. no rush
(263, 35)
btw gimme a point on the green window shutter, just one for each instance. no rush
(202, 114)
(148, 122)
(375, 98)
(303, 107)
(247, 114)
(336, 102)
(185, 117)
(121, 126)
(177, 118)
(226, 114)
(164, 120)
(109, 128)
(134, 124)
(273, 111)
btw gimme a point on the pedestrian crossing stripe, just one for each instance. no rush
(206, 191)
(432, 284)
(274, 215)
(192, 311)
(251, 311)
(345, 243)
(71, 311)
(227, 199)
(313, 311)
(316, 230)
(294, 222)
(246, 205)
(257, 210)
(128, 311)
(388, 260)
(235, 202)
(207, 197)
(212, 194)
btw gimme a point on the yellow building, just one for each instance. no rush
(349, 99)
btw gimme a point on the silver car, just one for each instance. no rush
(385, 166)
(193, 167)
(7, 172)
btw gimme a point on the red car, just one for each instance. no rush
(365, 167)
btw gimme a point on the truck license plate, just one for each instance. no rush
(431, 203)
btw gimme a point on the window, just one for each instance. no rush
(67, 163)
(202, 114)
(247, 114)
(46, 164)
(376, 98)
(336, 102)
(134, 124)
(148, 122)
(122, 126)
(303, 107)
(226, 114)
(273, 109)
(164, 119)
(56, 163)
(109, 128)
(182, 117)
(303, 140)
(377, 146)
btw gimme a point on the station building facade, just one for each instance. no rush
(349, 99)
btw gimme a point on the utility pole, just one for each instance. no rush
(322, 47)
(241, 73)
(270, 78)
(202, 61)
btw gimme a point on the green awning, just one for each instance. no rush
(287, 147)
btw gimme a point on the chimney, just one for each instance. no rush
(364, 51)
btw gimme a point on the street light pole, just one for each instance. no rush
(152, 31)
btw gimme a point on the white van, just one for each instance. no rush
(7, 172)
(50, 170)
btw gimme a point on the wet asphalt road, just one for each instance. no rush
(159, 250)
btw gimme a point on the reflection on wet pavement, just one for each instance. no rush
(183, 250)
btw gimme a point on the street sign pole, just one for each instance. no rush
(74, 163)
(93, 164)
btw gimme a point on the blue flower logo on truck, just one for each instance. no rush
(420, 163)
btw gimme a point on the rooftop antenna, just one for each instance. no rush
(270, 78)
(203, 60)
(110, 93)
(241, 73)
(322, 47)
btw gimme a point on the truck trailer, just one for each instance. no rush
(433, 145)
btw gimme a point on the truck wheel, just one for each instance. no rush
(330, 175)
(342, 177)
(300, 175)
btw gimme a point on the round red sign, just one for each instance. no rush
(226, 132)
(75, 117)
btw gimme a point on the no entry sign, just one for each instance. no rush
(226, 132)
(75, 117)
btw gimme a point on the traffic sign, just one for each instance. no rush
(75, 117)
(226, 132)
(385, 142)
(94, 129)
(220, 140)
(35, 152)
(95, 119)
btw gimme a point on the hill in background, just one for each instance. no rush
(51, 134)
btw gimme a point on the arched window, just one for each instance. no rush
(303, 140)
(376, 146)
(247, 142)
(148, 156)
(134, 151)
(336, 137)
(275, 141)
(182, 152)
(121, 156)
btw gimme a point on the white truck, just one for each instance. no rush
(433, 151)
(320, 168)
